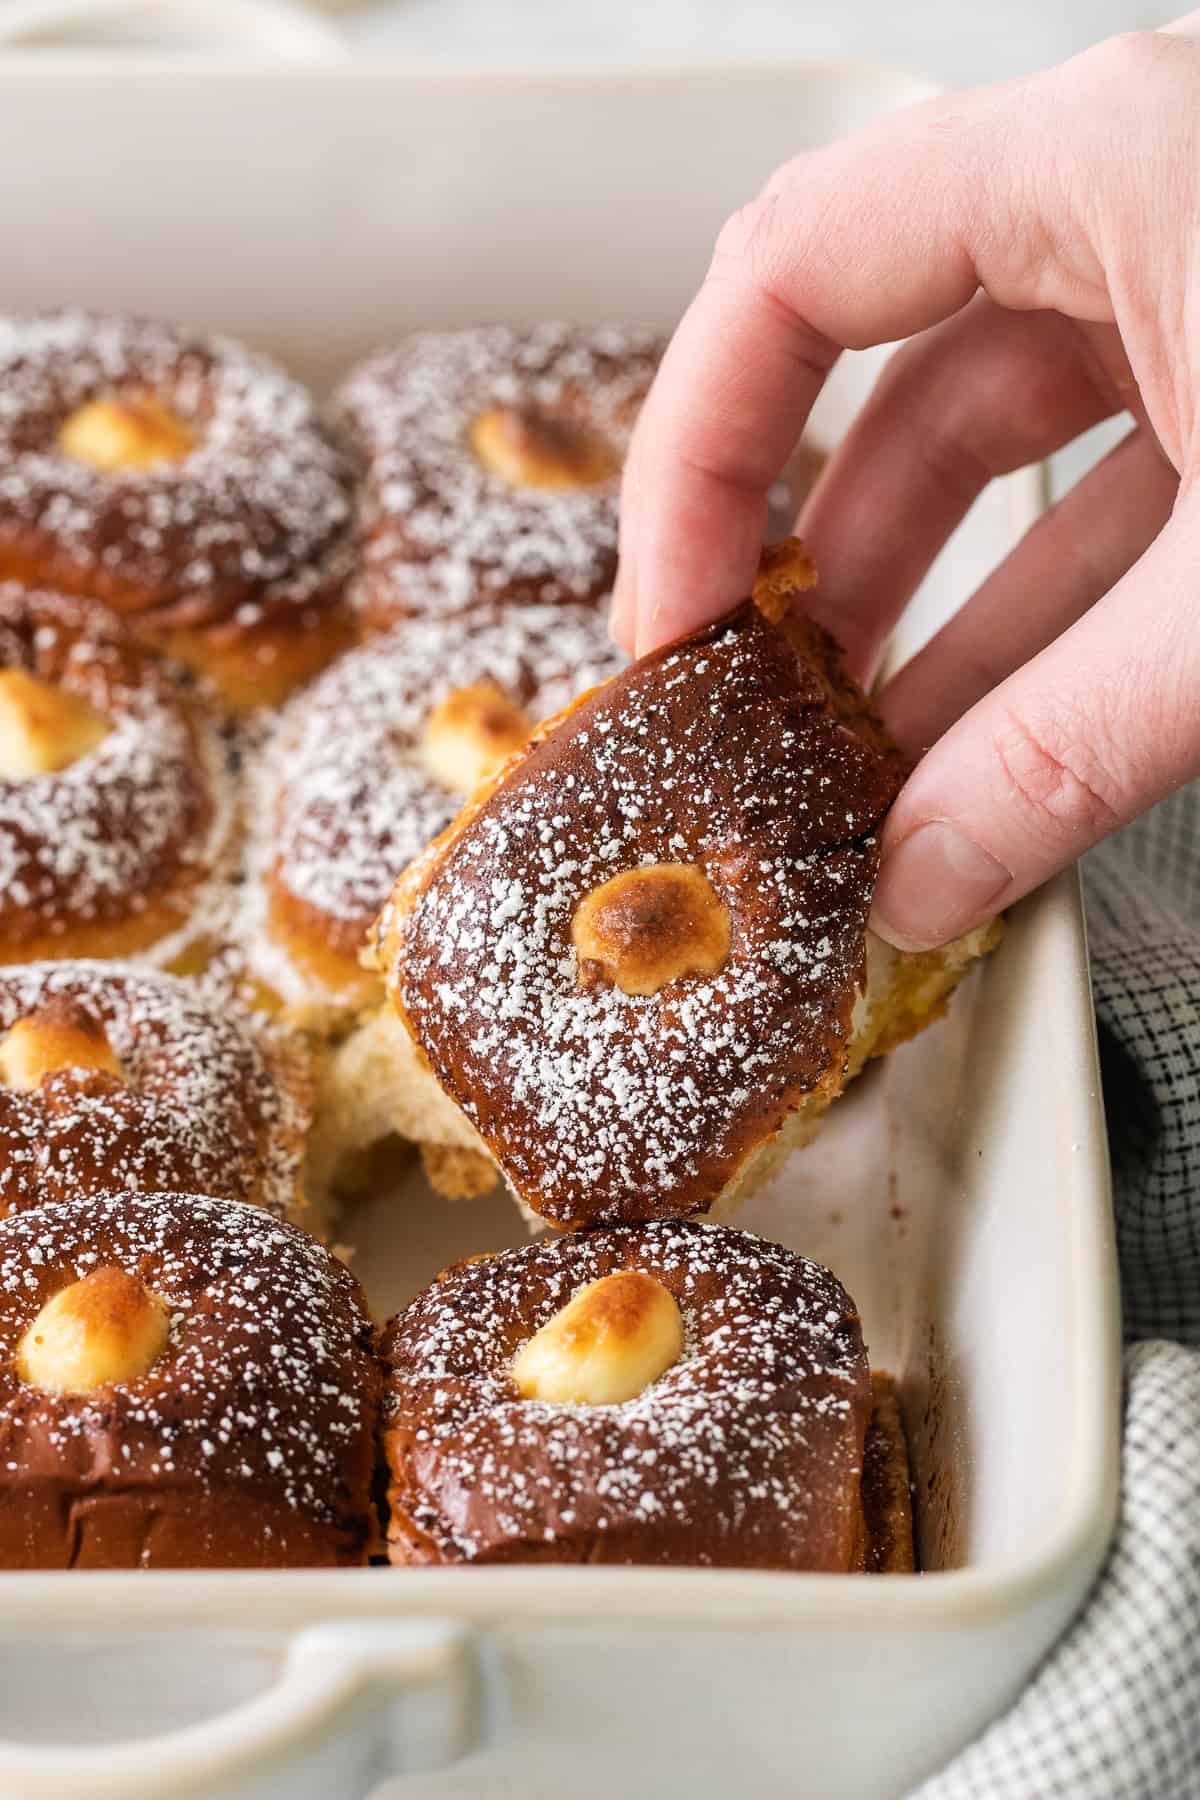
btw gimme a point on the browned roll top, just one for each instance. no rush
(113, 1076)
(491, 464)
(246, 1442)
(746, 1451)
(113, 833)
(635, 955)
(345, 792)
(179, 479)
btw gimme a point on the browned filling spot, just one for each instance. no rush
(606, 1345)
(125, 431)
(536, 449)
(649, 926)
(106, 1327)
(469, 733)
(60, 1035)
(43, 727)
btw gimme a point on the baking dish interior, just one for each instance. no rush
(958, 1191)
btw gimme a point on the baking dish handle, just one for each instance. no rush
(353, 1705)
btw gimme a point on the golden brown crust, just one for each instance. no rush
(205, 1097)
(106, 1326)
(608, 1344)
(248, 663)
(742, 750)
(357, 774)
(490, 466)
(235, 556)
(247, 1442)
(785, 570)
(746, 1452)
(260, 664)
(124, 848)
(326, 951)
(530, 447)
(650, 925)
(457, 1173)
(886, 1484)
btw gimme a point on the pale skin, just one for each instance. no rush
(1041, 239)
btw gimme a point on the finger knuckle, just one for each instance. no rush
(748, 241)
(1061, 774)
(945, 437)
(952, 462)
(784, 177)
(1121, 68)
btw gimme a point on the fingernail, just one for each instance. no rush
(934, 885)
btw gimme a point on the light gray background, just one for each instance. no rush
(955, 41)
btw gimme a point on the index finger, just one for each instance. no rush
(866, 241)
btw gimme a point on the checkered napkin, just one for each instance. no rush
(1114, 1711)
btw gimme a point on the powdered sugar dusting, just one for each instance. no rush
(206, 1102)
(600, 1105)
(440, 532)
(266, 1385)
(142, 818)
(257, 515)
(747, 1449)
(341, 800)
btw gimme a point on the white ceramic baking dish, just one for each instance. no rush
(961, 1192)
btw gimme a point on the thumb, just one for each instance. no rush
(1075, 744)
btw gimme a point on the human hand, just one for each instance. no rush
(1043, 239)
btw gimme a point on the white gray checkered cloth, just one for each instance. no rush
(1114, 1711)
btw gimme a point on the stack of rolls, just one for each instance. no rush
(638, 959)
(187, 1379)
(292, 865)
(489, 464)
